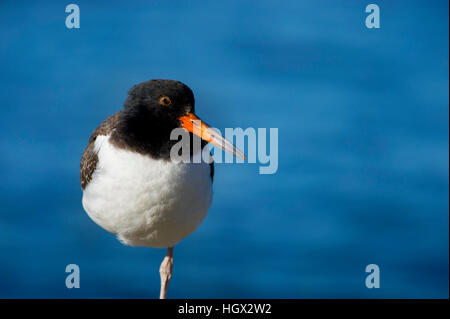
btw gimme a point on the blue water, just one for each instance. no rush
(363, 119)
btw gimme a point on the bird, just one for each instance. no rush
(133, 187)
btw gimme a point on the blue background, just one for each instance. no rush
(363, 118)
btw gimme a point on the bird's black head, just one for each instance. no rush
(162, 100)
(153, 110)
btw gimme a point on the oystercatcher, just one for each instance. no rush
(131, 185)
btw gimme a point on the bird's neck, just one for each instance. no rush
(144, 133)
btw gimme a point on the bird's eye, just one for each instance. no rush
(164, 100)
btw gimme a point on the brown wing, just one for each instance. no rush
(89, 159)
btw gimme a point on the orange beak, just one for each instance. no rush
(196, 126)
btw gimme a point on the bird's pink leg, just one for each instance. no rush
(165, 271)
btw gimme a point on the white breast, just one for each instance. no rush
(145, 201)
